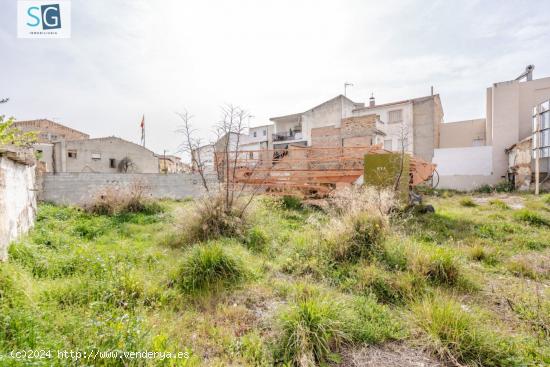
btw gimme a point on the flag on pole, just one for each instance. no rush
(142, 125)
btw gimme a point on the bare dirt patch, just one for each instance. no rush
(389, 355)
(514, 202)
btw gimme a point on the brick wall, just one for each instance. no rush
(81, 188)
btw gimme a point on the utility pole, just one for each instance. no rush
(536, 151)
(164, 160)
(346, 85)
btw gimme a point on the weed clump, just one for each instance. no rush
(531, 217)
(467, 202)
(439, 267)
(210, 268)
(256, 239)
(292, 202)
(482, 254)
(456, 335)
(310, 331)
(499, 204)
(120, 200)
(354, 237)
(210, 219)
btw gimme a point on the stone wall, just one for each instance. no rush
(81, 188)
(17, 195)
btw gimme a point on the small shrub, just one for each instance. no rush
(531, 217)
(210, 268)
(311, 331)
(482, 254)
(499, 204)
(467, 202)
(209, 219)
(440, 267)
(504, 186)
(484, 189)
(256, 239)
(355, 236)
(456, 335)
(389, 287)
(120, 200)
(546, 199)
(292, 202)
(522, 267)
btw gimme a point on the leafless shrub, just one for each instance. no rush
(353, 200)
(113, 200)
(209, 219)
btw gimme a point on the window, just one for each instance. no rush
(96, 156)
(251, 155)
(395, 116)
(112, 163)
(71, 153)
(264, 132)
(387, 144)
(254, 134)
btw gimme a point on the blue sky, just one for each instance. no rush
(128, 58)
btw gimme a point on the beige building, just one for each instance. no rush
(412, 124)
(474, 152)
(172, 164)
(105, 155)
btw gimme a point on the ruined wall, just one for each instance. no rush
(17, 196)
(81, 188)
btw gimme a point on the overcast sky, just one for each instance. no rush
(132, 57)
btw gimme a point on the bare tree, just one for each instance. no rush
(403, 145)
(126, 165)
(192, 146)
(229, 131)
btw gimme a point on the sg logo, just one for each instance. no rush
(47, 15)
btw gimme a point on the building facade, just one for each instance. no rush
(485, 143)
(105, 155)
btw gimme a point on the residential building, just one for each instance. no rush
(258, 138)
(171, 164)
(411, 124)
(106, 155)
(475, 152)
(47, 133)
(295, 129)
(204, 157)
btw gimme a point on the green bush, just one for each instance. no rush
(256, 239)
(356, 236)
(482, 254)
(499, 204)
(484, 189)
(311, 331)
(210, 219)
(467, 202)
(210, 268)
(531, 217)
(504, 186)
(456, 335)
(439, 266)
(292, 202)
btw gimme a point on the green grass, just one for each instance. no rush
(210, 268)
(287, 284)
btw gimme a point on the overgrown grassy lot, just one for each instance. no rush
(468, 284)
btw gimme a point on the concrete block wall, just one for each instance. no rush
(82, 188)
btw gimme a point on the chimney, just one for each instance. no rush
(371, 100)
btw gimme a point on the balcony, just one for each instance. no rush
(287, 135)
